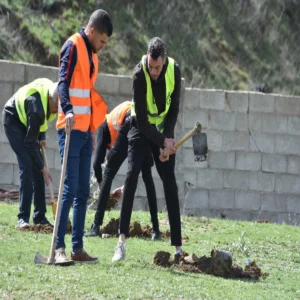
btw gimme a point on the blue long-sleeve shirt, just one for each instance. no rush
(68, 60)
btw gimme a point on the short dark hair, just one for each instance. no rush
(156, 48)
(101, 21)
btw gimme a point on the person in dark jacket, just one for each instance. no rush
(156, 94)
(24, 118)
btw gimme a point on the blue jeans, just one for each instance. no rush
(76, 185)
(31, 180)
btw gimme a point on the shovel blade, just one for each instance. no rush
(200, 147)
(40, 259)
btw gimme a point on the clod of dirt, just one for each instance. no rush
(112, 202)
(219, 264)
(135, 229)
(39, 228)
(162, 259)
(111, 228)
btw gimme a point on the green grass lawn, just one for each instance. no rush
(275, 248)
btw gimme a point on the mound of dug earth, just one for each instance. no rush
(219, 264)
(39, 228)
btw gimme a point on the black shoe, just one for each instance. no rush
(156, 236)
(44, 221)
(94, 231)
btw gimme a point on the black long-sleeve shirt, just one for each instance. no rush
(159, 93)
(35, 119)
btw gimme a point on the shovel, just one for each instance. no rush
(38, 258)
(50, 186)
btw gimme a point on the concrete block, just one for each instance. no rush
(50, 153)
(51, 138)
(221, 160)
(6, 91)
(294, 125)
(191, 98)
(235, 141)
(236, 180)
(241, 122)
(125, 86)
(7, 155)
(212, 99)
(33, 72)
(55, 179)
(3, 138)
(237, 101)
(287, 144)
(220, 120)
(273, 202)
(265, 216)
(141, 203)
(289, 218)
(215, 140)
(141, 192)
(274, 123)
(238, 215)
(261, 103)
(108, 84)
(255, 122)
(262, 142)
(293, 204)
(197, 198)
(12, 71)
(124, 168)
(287, 184)
(210, 179)
(7, 173)
(190, 176)
(17, 86)
(191, 117)
(220, 199)
(247, 200)
(287, 105)
(293, 166)
(248, 161)
(274, 163)
(263, 182)
(16, 175)
(57, 160)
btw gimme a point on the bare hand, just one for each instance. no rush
(43, 143)
(47, 175)
(70, 122)
(169, 146)
(162, 156)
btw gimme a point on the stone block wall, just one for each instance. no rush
(253, 166)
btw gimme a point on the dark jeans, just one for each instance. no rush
(31, 180)
(76, 185)
(138, 150)
(115, 157)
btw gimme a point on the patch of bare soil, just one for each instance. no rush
(39, 228)
(135, 230)
(112, 202)
(218, 264)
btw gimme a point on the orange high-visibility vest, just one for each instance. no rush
(115, 119)
(88, 107)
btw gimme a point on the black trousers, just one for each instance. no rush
(139, 148)
(32, 183)
(115, 157)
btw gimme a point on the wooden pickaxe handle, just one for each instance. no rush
(195, 130)
(50, 186)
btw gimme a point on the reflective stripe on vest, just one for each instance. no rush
(115, 119)
(153, 117)
(42, 86)
(80, 87)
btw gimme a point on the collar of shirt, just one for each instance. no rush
(89, 50)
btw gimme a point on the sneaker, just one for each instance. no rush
(80, 256)
(61, 257)
(119, 253)
(44, 221)
(22, 224)
(156, 236)
(179, 251)
(94, 231)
